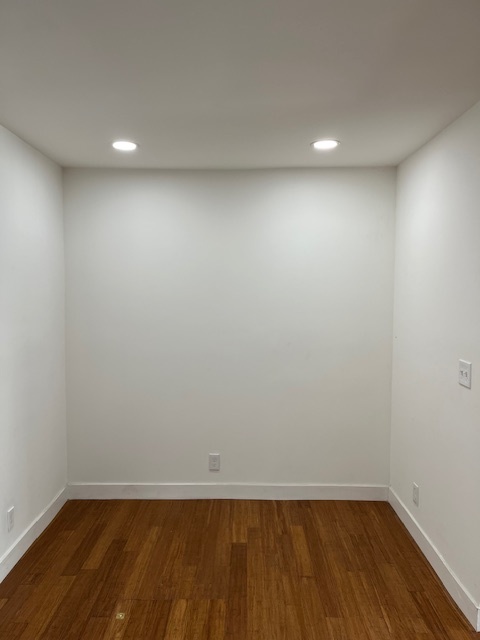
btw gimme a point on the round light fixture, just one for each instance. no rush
(124, 145)
(325, 145)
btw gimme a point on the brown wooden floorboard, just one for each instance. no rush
(226, 570)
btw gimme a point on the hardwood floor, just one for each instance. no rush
(233, 570)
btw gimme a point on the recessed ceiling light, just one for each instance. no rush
(124, 145)
(325, 145)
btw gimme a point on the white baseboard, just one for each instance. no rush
(28, 537)
(458, 592)
(238, 491)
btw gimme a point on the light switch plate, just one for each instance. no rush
(465, 373)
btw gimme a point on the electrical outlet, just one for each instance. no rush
(465, 373)
(416, 494)
(214, 462)
(10, 518)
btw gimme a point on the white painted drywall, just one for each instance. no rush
(32, 335)
(248, 313)
(435, 421)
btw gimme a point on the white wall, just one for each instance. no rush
(32, 336)
(243, 312)
(435, 421)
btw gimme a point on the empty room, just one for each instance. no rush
(239, 320)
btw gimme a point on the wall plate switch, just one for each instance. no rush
(416, 494)
(214, 462)
(465, 373)
(10, 518)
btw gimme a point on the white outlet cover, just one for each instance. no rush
(214, 462)
(465, 373)
(416, 494)
(10, 518)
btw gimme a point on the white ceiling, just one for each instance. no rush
(235, 83)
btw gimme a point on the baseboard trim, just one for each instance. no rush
(451, 582)
(28, 537)
(228, 491)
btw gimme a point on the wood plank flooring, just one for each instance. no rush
(236, 570)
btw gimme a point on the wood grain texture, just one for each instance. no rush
(226, 570)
